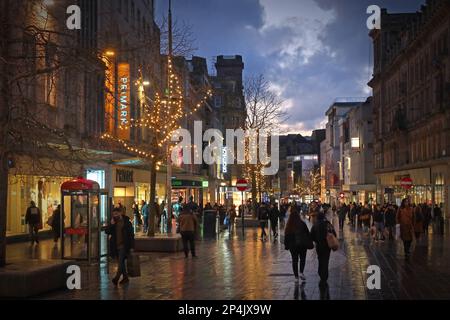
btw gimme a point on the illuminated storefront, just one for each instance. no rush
(44, 191)
(429, 186)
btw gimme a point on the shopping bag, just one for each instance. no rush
(332, 241)
(397, 232)
(133, 265)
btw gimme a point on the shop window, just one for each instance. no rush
(44, 191)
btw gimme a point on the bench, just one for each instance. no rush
(27, 278)
(171, 243)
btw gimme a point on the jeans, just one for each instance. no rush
(122, 267)
(274, 226)
(298, 253)
(262, 224)
(380, 229)
(145, 223)
(323, 255)
(341, 222)
(34, 232)
(188, 237)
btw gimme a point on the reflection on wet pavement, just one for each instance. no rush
(234, 267)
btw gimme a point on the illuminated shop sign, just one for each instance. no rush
(224, 159)
(124, 100)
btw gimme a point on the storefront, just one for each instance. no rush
(187, 186)
(129, 185)
(429, 185)
(29, 180)
(365, 194)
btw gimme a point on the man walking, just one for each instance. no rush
(188, 224)
(33, 218)
(121, 242)
(263, 217)
(274, 217)
(145, 214)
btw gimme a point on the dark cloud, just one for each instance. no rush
(338, 49)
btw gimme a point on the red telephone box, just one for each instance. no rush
(82, 203)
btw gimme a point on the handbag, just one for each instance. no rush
(332, 241)
(50, 221)
(133, 265)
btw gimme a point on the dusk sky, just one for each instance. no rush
(311, 51)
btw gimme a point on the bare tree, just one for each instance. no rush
(264, 113)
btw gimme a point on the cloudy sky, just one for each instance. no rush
(311, 51)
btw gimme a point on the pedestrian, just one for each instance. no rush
(390, 220)
(274, 215)
(263, 217)
(313, 212)
(33, 218)
(232, 218)
(426, 210)
(438, 220)
(188, 224)
(297, 240)
(56, 223)
(137, 220)
(418, 222)
(145, 214)
(378, 222)
(121, 242)
(342, 213)
(405, 218)
(319, 233)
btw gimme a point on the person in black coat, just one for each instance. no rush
(56, 223)
(263, 217)
(121, 242)
(274, 216)
(297, 240)
(319, 233)
(390, 220)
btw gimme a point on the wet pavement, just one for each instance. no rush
(237, 267)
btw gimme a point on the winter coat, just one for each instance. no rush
(319, 233)
(405, 217)
(127, 234)
(390, 217)
(302, 232)
(33, 216)
(56, 221)
(188, 222)
(263, 213)
(274, 215)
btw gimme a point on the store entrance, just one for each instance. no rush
(85, 213)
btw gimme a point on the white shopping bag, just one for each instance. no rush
(397, 232)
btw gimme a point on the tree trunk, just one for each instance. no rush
(254, 189)
(152, 200)
(4, 118)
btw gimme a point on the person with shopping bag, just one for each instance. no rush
(121, 233)
(405, 218)
(297, 240)
(324, 235)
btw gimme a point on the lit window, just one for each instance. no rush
(355, 143)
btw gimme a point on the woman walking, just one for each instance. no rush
(319, 233)
(405, 218)
(297, 240)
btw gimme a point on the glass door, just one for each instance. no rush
(75, 231)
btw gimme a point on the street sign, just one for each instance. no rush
(406, 183)
(241, 185)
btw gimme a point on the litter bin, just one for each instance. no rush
(209, 224)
